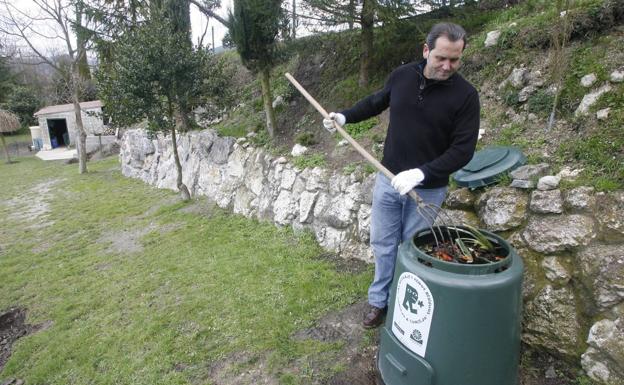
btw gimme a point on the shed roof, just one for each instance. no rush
(67, 107)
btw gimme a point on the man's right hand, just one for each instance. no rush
(337, 117)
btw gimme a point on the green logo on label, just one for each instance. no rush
(410, 299)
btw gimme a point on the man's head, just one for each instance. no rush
(443, 50)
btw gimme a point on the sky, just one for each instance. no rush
(198, 24)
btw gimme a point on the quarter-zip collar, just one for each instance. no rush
(425, 83)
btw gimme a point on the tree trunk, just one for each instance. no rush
(208, 12)
(6, 149)
(351, 14)
(294, 19)
(367, 21)
(174, 142)
(185, 121)
(81, 143)
(268, 101)
(83, 65)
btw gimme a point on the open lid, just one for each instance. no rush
(488, 165)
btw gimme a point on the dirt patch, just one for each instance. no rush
(128, 241)
(162, 203)
(541, 369)
(358, 361)
(343, 326)
(241, 369)
(13, 326)
(34, 204)
(362, 370)
(202, 207)
(346, 326)
(345, 265)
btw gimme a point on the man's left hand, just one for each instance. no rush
(404, 181)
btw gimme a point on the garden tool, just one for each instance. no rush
(427, 210)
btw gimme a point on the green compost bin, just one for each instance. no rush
(451, 323)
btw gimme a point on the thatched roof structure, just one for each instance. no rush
(9, 122)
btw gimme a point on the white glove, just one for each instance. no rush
(404, 181)
(334, 117)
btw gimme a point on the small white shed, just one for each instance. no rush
(58, 123)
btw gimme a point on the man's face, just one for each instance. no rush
(444, 60)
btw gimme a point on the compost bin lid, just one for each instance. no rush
(488, 165)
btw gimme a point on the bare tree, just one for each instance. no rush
(53, 21)
(207, 7)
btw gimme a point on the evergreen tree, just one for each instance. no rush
(253, 27)
(154, 74)
(6, 78)
(23, 102)
(365, 13)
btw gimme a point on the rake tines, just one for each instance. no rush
(436, 217)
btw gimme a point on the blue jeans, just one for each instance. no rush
(394, 219)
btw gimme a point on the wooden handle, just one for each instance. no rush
(340, 130)
(348, 137)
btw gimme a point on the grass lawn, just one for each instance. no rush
(136, 287)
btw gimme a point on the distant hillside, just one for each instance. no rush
(514, 112)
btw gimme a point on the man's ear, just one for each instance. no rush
(425, 51)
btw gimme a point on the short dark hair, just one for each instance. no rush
(451, 31)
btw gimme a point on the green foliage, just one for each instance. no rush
(242, 121)
(309, 161)
(510, 96)
(155, 74)
(505, 179)
(541, 103)
(306, 139)
(348, 91)
(519, 136)
(350, 168)
(378, 137)
(254, 26)
(6, 78)
(333, 12)
(261, 139)
(24, 103)
(584, 60)
(535, 22)
(358, 130)
(600, 154)
(280, 85)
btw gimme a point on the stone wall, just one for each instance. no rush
(572, 241)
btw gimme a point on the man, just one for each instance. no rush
(433, 130)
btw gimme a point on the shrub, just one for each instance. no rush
(306, 139)
(309, 161)
(358, 130)
(510, 96)
(541, 103)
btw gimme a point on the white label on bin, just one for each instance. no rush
(413, 310)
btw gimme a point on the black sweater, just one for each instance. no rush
(434, 125)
